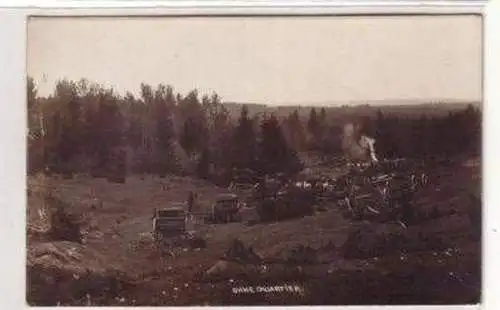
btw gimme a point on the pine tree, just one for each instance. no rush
(244, 146)
(219, 130)
(314, 128)
(110, 146)
(322, 125)
(274, 154)
(296, 131)
(166, 160)
(313, 123)
(383, 136)
(203, 165)
(194, 132)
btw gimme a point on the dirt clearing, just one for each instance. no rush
(117, 264)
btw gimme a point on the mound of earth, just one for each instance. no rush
(69, 273)
(65, 255)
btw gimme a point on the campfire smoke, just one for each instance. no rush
(369, 143)
(357, 147)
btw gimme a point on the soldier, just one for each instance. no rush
(353, 204)
(413, 181)
(401, 195)
(190, 207)
(190, 201)
(262, 188)
(386, 192)
(195, 202)
(424, 179)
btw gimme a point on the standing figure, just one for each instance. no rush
(190, 205)
(424, 179)
(190, 201)
(401, 195)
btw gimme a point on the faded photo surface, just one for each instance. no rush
(183, 161)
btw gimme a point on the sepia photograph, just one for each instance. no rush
(254, 160)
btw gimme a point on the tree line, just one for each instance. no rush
(83, 127)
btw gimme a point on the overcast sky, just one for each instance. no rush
(274, 60)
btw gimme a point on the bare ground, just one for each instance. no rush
(132, 273)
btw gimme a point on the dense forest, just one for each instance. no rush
(84, 127)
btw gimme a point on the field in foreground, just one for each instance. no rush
(438, 261)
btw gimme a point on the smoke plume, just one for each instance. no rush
(357, 147)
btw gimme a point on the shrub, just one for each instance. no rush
(63, 226)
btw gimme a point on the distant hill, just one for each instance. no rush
(338, 111)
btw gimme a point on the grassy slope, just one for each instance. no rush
(127, 209)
